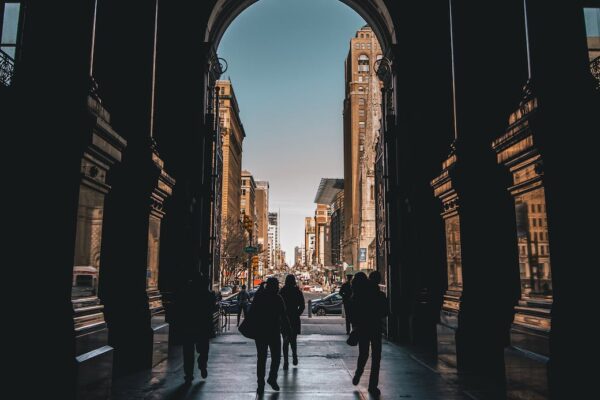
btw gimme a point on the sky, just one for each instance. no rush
(286, 63)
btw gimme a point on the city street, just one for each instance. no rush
(326, 366)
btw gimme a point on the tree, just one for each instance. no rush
(233, 257)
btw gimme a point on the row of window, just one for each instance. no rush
(543, 249)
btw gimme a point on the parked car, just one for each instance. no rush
(226, 290)
(317, 289)
(231, 304)
(331, 304)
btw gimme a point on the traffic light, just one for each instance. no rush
(255, 265)
(248, 223)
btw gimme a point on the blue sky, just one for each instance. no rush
(286, 63)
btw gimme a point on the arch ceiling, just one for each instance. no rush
(375, 12)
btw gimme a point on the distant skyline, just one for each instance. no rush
(286, 63)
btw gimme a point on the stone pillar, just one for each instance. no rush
(140, 186)
(93, 354)
(445, 190)
(527, 358)
(190, 145)
(477, 211)
(160, 327)
(544, 150)
(58, 124)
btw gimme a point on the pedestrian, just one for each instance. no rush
(294, 305)
(243, 300)
(195, 305)
(369, 306)
(269, 314)
(346, 293)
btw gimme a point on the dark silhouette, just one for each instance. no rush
(243, 300)
(294, 305)
(268, 312)
(369, 306)
(346, 293)
(195, 306)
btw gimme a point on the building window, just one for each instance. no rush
(363, 63)
(11, 12)
(592, 21)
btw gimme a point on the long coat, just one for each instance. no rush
(294, 305)
(269, 314)
(194, 315)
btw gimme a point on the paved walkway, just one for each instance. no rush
(326, 365)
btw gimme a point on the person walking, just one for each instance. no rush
(369, 306)
(346, 293)
(294, 305)
(270, 316)
(195, 305)
(243, 300)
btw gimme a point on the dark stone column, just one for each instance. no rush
(478, 212)
(417, 135)
(125, 70)
(186, 130)
(52, 133)
(543, 147)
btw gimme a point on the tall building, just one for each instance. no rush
(329, 196)
(262, 213)
(232, 136)
(337, 228)
(297, 256)
(322, 235)
(248, 206)
(309, 241)
(274, 247)
(362, 114)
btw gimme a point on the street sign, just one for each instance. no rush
(250, 249)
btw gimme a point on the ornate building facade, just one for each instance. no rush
(362, 114)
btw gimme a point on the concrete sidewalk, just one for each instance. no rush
(326, 366)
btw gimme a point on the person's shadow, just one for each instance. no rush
(184, 391)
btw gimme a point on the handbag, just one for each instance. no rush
(353, 338)
(248, 327)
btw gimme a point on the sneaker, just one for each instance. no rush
(273, 384)
(260, 389)
(188, 379)
(203, 372)
(356, 378)
(375, 392)
(295, 360)
(286, 366)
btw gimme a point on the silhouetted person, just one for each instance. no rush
(346, 293)
(243, 300)
(294, 305)
(195, 307)
(268, 312)
(369, 306)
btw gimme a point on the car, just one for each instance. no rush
(317, 289)
(231, 304)
(331, 304)
(226, 290)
